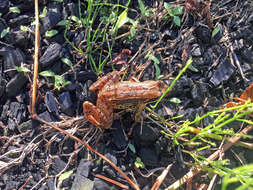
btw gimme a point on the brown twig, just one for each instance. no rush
(122, 186)
(161, 178)
(27, 180)
(36, 59)
(135, 186)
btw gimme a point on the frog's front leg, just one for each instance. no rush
(100, 116)
(112, 76)
(138, 114)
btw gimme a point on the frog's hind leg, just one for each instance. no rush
(95, 115)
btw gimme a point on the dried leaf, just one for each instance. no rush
(191, 6)
(248, 93)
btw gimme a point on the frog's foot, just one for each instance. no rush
(95, 116)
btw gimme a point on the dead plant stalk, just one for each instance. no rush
(36, 58)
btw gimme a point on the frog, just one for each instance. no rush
(113, 94)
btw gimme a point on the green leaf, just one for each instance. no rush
(1, 14)
(167, 6)
(47, 74)
(157, 68)
(215, 31)
(66, 61)
(178, 10)
(22, 69)
(33, 23)
(121, 20)
(142, 8)
(192, 68)
(24, 28)
(170, 12)
(232, 95)
(138, 163)
(51, 33)
(156, 63)
(44, 13)
(132, 148)
(63, 23)
(60, 82)
(75, 19)
(65, 175)
(177, 20)
(14, 10)
(157, 71)
(132, 32)
(59, 1)
(4, 32)
(175, 100)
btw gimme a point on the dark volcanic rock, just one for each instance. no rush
(53, 16)
(17, 111)
(247, 54)
(181, 87)
(52, 54)
(70, 9)
(21, 20)
(28, 125)
(4, 4)
(78, 38)
(83, 76)
(148, 156)
(47, 117)
(146, 134)
(119, 136)
(15, 85)
(66, 103)
(223, 72)
(13, 113)
(199, 92)
(190, 113)
(81, 177)
(19, 38)
(12, 58)
(4, 114)
(2, 86)
(2, 26)
(58, 165)
(203, 34)
(51, 103)
(101, 184)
